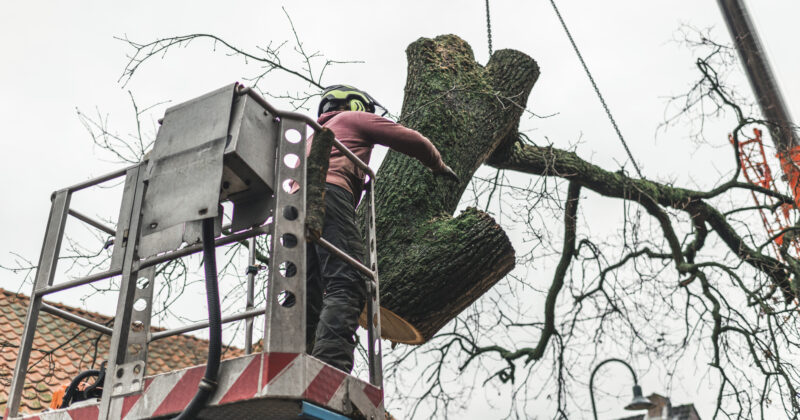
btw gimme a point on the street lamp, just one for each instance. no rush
(638, 403)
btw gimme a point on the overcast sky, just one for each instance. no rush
(61, 56)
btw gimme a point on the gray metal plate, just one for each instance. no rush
(194, 122)
(253, 212)
(184, 187)
(254, 134)
(173, 237)
(193, 231)
(161, 241)
(185, 171)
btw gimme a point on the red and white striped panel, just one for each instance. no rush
(282, 375)
(285, 375)
(301, 375)
(87, 412)
(170, 393)
(366, 397)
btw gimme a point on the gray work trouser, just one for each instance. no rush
(336, 291)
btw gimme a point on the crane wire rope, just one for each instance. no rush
(594, 85)
(489, 28)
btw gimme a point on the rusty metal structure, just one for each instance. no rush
(775, 217)
(765, 87)
(227, 145)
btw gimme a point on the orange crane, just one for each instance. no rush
(778, 122)
(776, 217)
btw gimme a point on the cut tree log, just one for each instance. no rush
(432, 265)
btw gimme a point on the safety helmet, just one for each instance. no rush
(337, 95)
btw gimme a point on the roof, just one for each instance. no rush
(685, 412)
(62, 349)
(678, 412)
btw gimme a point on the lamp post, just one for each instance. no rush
(638, 403)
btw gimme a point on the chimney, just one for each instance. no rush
(661, 410)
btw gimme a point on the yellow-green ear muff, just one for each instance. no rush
(356, 105)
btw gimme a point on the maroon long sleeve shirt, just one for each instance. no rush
(360, 132)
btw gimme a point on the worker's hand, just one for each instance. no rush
(446, 172)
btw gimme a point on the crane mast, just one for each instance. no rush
(766, 90)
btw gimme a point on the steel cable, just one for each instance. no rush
(596, 89)
(489, 28)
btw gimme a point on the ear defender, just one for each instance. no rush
(357, 105)
(353, 99)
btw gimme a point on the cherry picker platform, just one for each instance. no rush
(227, 145)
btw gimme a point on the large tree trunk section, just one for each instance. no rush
(431, 265)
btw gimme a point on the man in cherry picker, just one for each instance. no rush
(336, 292)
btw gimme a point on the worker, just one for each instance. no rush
(336, 291)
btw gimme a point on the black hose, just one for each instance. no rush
(208, 385)
(73, 386)
(94, 390)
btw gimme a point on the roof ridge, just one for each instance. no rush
(98, 317)
(59, 305)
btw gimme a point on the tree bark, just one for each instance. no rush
(316, 171)
(432, 265)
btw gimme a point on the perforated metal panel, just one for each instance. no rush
(286, 298)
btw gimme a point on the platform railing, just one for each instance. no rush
(131, 332)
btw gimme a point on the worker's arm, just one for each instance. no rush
(402, 139)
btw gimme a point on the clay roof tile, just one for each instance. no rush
(62, 349)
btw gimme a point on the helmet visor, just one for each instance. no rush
(330, 105)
